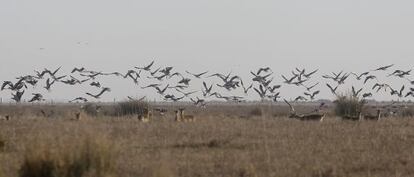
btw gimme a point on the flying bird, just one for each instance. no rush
(197, 75)
(97, 96)
(36, 97)
(383, 68)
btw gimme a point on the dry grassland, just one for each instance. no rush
(216, 144)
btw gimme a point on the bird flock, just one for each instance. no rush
(174, 86)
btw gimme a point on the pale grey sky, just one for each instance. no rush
(214, 35)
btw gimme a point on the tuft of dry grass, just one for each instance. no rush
(68, 157)
(348, 105)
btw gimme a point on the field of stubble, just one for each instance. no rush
(217, 145)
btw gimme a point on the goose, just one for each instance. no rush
(78, 70)
(300, 98)
(310, 87)
(221, 76)
(36, 97)
(95, 84)
(154, 72)
(198, 102)
(146, 68)
(259, 78)
(6, 83)
(49, 84)
(40, 75)
(267, 83)
(289, 81)
(246, 89)
(274, 97)
(92, 75)
(130, 72)
(404, 73)
(173, 98)
(17, 96)
(369, 77)
(266, 69)
(160, 78)
(74, 81)
(236, 99)
(380, 86)
(398, 93)
(396, 72)
(167, 70)
(197, 75)
(359, 77)
(333, 90)
(97, 96)
(343, 78)
(310, 74)
(335, 76)
(185, 81)
(355, 93)
(383, 68)
(186, 94)
(366, 95)
(52, 74)
(312, 95)
(161, 91)
(261, 91)
(299, 82)
(137, 100)
(79, 99)
(410, 93)
(273, 88)
(207, 90)
(216, 94)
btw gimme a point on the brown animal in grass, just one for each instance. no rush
(78, 116)
(186, 118)
(146, 117)
(5, 117)
(304, 117)
(373, 117)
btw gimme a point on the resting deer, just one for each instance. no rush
(373, 117)
(313, 116)
(6, 117)
(186, 118)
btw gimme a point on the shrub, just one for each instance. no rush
(348, 105)
(88, 157)
(131, 108)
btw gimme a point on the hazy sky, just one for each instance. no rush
(214, 35)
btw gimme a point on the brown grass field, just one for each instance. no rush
(228, 142)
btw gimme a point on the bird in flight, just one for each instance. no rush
(197, 75)
(97, 96)
(383, 68)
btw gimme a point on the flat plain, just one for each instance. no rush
(223, 141)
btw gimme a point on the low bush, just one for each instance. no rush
(73, 158)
